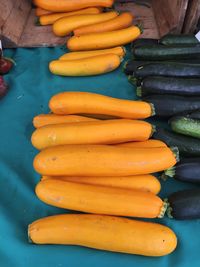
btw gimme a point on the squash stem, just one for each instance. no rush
(163, 209)
(124, 49)
(132, 79)
(153, 130)
(169, 209)
(139, 91)
(175, 151)
(170, 172)
(152, 110)
(140, 26)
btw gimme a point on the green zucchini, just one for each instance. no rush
(161, 52)
(179, 39)
(186, 170)
(184, 205)
(168, 85)
(167, 69)
(186, 126)
(187, 146)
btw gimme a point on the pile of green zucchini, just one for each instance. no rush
(167, 74)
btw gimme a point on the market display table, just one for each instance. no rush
(31, 86)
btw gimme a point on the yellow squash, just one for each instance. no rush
(105, 233)
(100, 199)
(86, 66)
(122, 21)
(49, 119)
(71, 5)
(47, 19)
(102, 160)
(103, 40)
(146, 182)
(91, 132)
(65, 25)
(120, 51)
(91, 103)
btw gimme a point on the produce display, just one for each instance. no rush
(104, 156)
(94, 29)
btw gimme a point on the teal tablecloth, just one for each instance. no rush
(31, 86)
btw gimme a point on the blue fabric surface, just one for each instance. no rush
(31, 86)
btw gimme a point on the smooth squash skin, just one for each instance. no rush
(69, 5)
(48, 19)
(99, 199)
(49, 119)
(104, 232)
(102, 160)
(86, 66)
(148, 144)
(91, 103)
(122, 21)
(146, 182)
(65, 25)
(119, 50)
(91, 132)
(103, 40)
(40, 12)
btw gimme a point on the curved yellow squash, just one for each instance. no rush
(103, 40)
(91, 132)
(47, 19)
(104, 232)
(100, 199)
(65, 25)
(85, 67)
(146, 182)
(102, 160)
(120, 51)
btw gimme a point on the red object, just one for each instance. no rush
(3, 87)
(5, 65)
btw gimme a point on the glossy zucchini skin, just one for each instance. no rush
(187, 146)
(185, 125)
(161, 52)
(131, 65)
(178, 39)
(171, 105)
(170, 85)
(168, 69)
(188, 170)
(185, 205)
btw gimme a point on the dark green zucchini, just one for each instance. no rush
(188, 146)
(161, 52)
(179, 39)
(131, 65)
(195, 115)
(186, 170)
(185, 125)
(144, 41)
(184, 205)
(169, 85)
(167, 69)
